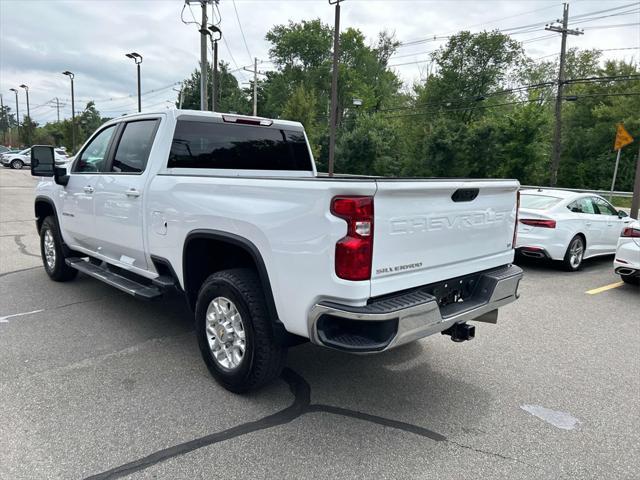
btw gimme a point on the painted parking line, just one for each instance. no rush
(604, 289)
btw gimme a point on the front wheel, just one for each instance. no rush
(575, 254)
(17, 164)
(234, 331)
(52, 252)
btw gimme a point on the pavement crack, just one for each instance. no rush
(301, 406)
(386, 422)
(18, 271)
(302, 396)
(495, 454)
(22, 247)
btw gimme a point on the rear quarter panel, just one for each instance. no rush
(287, 220)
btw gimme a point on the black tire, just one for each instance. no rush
(263, 358)
(17, 164)
(59, 271)
(630, 280)
(570, 263)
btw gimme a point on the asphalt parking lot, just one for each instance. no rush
(96, 384)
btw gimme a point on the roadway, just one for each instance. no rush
(96, 384)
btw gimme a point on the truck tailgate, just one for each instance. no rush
(432, 230)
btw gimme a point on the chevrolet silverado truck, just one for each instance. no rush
(230, 212)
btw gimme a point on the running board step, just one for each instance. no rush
(147, 292)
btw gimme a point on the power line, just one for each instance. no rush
(521, 27)
(596, 27)
(244, 39)
(516, 102)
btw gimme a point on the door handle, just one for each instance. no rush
(132, 192)
(88, 189)
(588, 224)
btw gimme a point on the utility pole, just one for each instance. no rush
(635, 201)
(557, 134)
(334, 87)
(255, 72)
(179, 95)
(203, 56)
(255, 86)
(58, 108)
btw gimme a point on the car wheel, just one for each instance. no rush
(52, 253)
(234, 331)
(575, 254)
(630, 280)
(17, 164)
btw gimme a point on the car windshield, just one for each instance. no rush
(24, 152)
(538, 202)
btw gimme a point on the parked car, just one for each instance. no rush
(23, 157)
(567, 226)
(627, 260)
(230, 211)
(4, 149)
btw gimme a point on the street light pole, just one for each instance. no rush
(15, 90)
(216, 34)
(26, 89)
(73, 112)
(136, 57)
(334, 87)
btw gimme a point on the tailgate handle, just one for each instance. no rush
(465, 194)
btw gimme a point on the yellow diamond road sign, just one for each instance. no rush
(622, 137)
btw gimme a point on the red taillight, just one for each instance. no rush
(515, 226)
(354, 251)
(533, 222)
(630, 232)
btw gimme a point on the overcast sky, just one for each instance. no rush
(40, 39)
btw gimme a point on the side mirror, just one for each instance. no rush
(42, 161)
(622, 214)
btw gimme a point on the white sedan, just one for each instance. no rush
(567, 226)
(627, 260)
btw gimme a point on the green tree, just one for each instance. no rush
(231, 98)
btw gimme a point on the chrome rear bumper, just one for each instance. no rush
(391, 321)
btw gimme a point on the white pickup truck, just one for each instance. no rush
(230, 212)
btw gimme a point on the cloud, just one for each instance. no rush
(40, 39)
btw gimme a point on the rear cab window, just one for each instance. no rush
(227, 146)
(538, 202)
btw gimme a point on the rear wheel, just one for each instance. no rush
(17, 164)
(575, 254)
(52, 252)
(234, 331)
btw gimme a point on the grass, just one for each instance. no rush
(621, 202)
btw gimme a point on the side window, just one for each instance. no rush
(575, 207)
(603, 207)
(93, 157)
(582, 205)
(133, 149)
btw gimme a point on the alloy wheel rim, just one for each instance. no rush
(49, 249)
(225, 333)
(576, 252)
